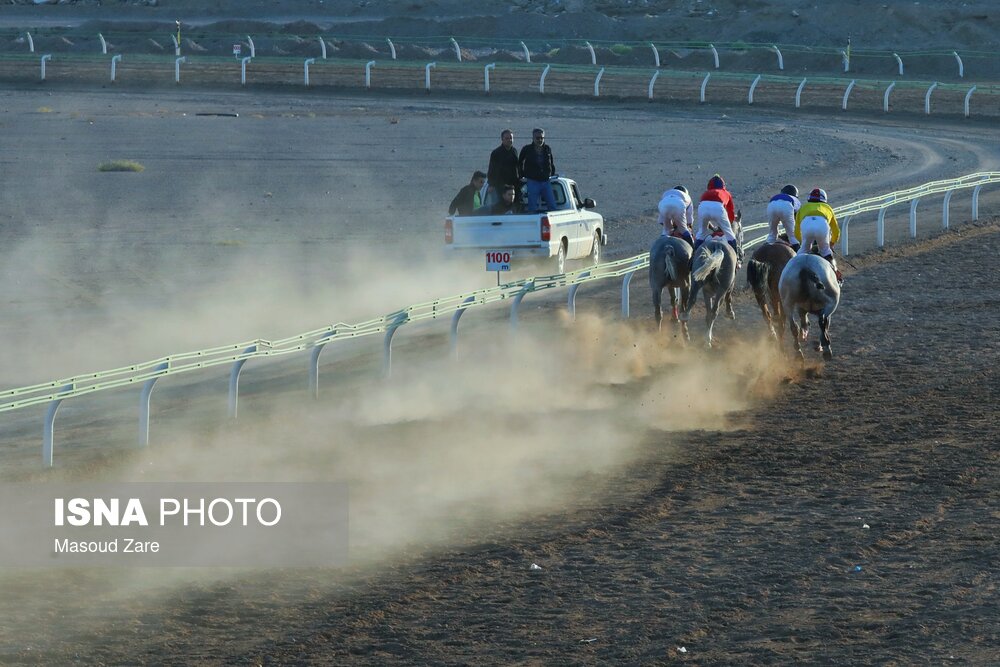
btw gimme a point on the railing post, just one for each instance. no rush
(626, 282)
(781, 61)
(114, 61)
(234, 381)
(322, 46)
(715, 55)
(961, 67)
(314, 362)
(486, 76)
(752, 87)
(571, 299)
(392, 49)
(177, 45)
(427, 75)
(885, 98)
(243, 69)
(656, 54)
(48, 428)
(899, 61)
(458, 50)
(975, 202)
(104, 44)
(177, 68)
(47, 56)
(368, 73)
(846, 60)
(253, 51)
(400, 320)
(704, 85)
(652, 81)
(947, 205)
(31, 43)
(305, 67)
(527, 54)
(843, 236)
(593, 56)
(847, 93)
(927, 98)
(880, 228)
(798, 93)
(517, 302)
(453, 337)
(968, 96)
(144, 397)
(597, 83)
(913, 218)
(541, 81)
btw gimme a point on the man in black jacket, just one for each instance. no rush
(508, 204)
(468, 200)
(503, 168)
(537, 166)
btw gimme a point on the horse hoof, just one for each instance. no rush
(731, 315)
(828, 354)
(804, 334)
(818, 347)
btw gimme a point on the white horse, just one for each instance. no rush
(670, 267)
(808, 285)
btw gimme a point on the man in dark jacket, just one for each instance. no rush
(537, 166)
(508, 204)
(503, 168)
(468, 199)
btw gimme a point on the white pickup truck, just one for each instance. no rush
(572, 231)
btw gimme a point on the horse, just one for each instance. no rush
(670, 266)
(713, 269)
(763, 272)
(809, 285)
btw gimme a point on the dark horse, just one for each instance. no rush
(763, 272)
(670, 267)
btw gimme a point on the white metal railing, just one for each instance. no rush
(236, 355)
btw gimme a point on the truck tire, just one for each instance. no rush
(561, 257)
(597, 252)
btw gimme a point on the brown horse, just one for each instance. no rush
(763, 271)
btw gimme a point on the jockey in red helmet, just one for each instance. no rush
(716, 206)
(815, 222)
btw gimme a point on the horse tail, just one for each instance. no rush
(758, 273)
(668, 268)
(713, 262)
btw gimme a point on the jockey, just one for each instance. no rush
(782, 208)
(815, 222)
(676, 211)
(716, 206)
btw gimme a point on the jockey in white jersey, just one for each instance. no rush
(782, 208)
(816, 223)
(676, 213)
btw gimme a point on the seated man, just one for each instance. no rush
(508, 204)
(468, 198)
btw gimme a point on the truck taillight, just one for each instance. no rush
(546, 229)
(449, 231)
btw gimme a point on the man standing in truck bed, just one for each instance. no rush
(503, 170)
(537, 166)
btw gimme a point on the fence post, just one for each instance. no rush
(571, 300)
(715, 55)
(885, 99)
(517, 302)
(314, 362)
(752, 87)
(368, 73)
(47, 56)
(947, 205)
(968, 96)
(48, 428)
(626, 281)
(961, 67)
(427, 75)
(652, 81)
(400, 319)
(899, 61)
(913, 218)
(656, 54)
(527, 54)
(486, 76)
(243, 68)
(927, 98)
(597, 83)
(453, 337)
(177, 45)
(781, 61)
(234, 381)
(593, 56)
(798, 93)
(843, 236)
(704, 84)
(253, 51)
(880, 228)
(846, 60)
(31, 43)
(975, 202)
(305, 67)
(104, 44)
(847, 93)
(458, 51)
(322, 46)
(392, 49)
(177, 68)
(541, 81)
(144, 397)
(114, 61)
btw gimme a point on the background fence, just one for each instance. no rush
(235, 355)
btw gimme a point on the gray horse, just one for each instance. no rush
(670, 267)
(808, 285)
(713, 270)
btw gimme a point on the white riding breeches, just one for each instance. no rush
(673, 212)
(780, 211)
(713, 212)
(815, 228)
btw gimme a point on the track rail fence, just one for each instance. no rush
(236, 355)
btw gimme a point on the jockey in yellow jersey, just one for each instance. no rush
(815, 222)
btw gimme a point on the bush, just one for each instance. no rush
(120, 165)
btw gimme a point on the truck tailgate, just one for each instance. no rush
(496, 231)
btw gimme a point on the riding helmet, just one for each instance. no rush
(681, 188)
(716, 183)
(790, 190)
(818, 194)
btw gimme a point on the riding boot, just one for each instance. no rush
(796, 246)
(732, 244)
(698, 242)
(686, 235)
(833, 263)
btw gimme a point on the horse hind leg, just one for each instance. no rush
(711, 313)
(768, 317)
(683, 302)
(824, 337)
(730, 313)
(796, 337)
(657, 311)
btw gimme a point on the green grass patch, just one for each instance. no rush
(120, 165)
(621, 49)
